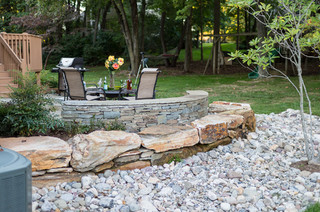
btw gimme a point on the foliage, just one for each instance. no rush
(152, 43)
(114, 125)
(175, 158)
(5, 108)
(28, 111)
(77, 45)
(48, 80)
(313, 208)
(292, 25)
(9, 9)
(74, 128)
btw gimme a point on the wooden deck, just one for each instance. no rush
(21, 52)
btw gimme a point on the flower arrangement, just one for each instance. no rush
(113, 64)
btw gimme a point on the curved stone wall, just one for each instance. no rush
(139, 114)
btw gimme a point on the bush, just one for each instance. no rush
(74, 128)
(77, 45)
(28, 112)
(47, 80)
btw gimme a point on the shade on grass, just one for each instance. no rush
(265, 96)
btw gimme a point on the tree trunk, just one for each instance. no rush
(262, 33)
(238, 27)
(78, 13)
(163, 43)
(188, 44)
(201, 31)
(142, 16)
(180, 43)
(131, 35)
(104, 16)
(96, 24)
(216, 28)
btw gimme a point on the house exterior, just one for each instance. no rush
(20, 52)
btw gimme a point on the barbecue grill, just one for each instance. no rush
(74, 62)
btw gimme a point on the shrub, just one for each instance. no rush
(28, 112)
(114, 125)
(73, 128)
(47, 80)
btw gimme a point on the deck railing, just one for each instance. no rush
(21, 52)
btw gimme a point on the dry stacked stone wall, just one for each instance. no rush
(139, 114)
(154, 145)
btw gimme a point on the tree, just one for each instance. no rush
(130, 31)
(293, 26)
(185, 13)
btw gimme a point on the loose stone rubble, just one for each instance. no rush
(252, 174)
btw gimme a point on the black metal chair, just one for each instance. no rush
(75, 88)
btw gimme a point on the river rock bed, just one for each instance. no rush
(252, 174)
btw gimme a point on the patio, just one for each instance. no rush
(136, 115)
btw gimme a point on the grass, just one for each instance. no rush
(265, 96)
(196, 53)
(313, 208)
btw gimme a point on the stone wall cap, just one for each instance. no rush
(191, 96)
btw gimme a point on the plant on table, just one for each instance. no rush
(113, 64)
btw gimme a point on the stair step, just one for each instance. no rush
(4, 74)
(6, 80)
(5, 87)
(4, 95)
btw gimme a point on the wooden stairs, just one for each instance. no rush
(5, 82)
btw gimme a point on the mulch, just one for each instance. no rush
(304, 166)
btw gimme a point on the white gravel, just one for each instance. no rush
(252, 174)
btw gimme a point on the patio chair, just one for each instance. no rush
(147, 83)
(75, 88)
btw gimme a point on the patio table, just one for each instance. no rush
(117, 93)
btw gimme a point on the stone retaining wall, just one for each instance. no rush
(154, 145)
(139, 114)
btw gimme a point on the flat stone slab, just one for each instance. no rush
(221, 106)
(215, 127)
(100, 147)
(44, 152)
(230, 108)
(162, 138)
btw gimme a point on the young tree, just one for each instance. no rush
(293, 26)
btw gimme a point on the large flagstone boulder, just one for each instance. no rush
(230, 108)
(212, 128)
(100, 147)
(162, 138)
(44, 152)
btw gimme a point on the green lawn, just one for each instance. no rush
(265, 96)
(196, 53)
